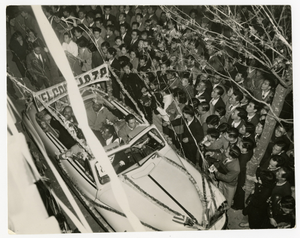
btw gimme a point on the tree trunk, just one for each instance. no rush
(270, 124)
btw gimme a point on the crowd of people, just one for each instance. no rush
(161, 67)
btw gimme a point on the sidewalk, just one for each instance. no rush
(235, 217)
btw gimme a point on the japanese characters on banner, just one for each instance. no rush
(51, 94)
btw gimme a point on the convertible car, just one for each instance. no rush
(164, 190)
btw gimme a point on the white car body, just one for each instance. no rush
(155, 206)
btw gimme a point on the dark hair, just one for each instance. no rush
(198, 81)
(78, 29)
(67, 9)
(232, 132)
(281, 143)
(223, 127)
(239, 95)
(105, 44)
(188, 109)
(90, 14)
(267, 177)
(110, 27)
(242, 113)
(220, 90)
(67, 34)
(99, 19)
(134, 23)
(221, 111)
(195, 102)
(234, 152)
(139, 14)
(137, 31)
(96, 29)
(213, 132)
(271, 82)
(213, 120)
(123, 46)
(129, 117)
(133, 50)
(288, 202)
(82, 43)
(122, 13)
(205, 106)
(143, 57)
(124, 25)
(288, 173)
(106, 7)
(110, 129)
(16, 35)
(127, 63)
(279, 159)
(181, 95)
(257, 106)
(247, 143)
(112, 51)
(250, 128)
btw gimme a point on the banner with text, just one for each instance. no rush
(53, 93)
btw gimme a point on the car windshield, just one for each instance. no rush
(136, 154)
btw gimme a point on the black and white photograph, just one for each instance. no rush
(150, 118)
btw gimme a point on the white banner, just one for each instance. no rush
(51, 94)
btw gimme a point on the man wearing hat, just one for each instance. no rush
(97, 115)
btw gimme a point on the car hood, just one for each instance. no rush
(152, 190)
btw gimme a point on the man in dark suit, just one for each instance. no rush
(252, 109)
(151, 14)
(125, 35)
(122, 21)
(39, 67)
(116, 67)
(110, 36)
(108, 16)
(134, 40)
(192, 131)
(78, 33)
(216, 100)
(202, 93)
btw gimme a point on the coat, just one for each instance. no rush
(190, 147)
(233, 168)
(40, 71)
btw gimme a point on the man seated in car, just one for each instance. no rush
(97, 115)
(63, 135)
(70, 120)
(109, 135)
(128, 127)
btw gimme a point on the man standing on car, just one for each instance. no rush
(97, 115)
(39, 67)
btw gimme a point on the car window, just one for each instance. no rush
(135, 155)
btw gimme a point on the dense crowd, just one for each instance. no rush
(207, 105)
